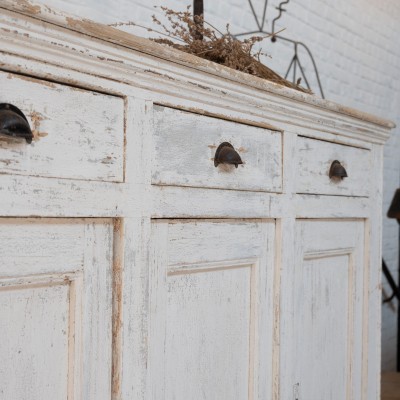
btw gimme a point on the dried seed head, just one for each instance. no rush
(202, 39)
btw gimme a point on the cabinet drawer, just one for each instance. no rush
(314, 160)
(78, 134)
(185, 146)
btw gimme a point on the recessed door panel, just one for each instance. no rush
(211, 307)
(55, 309)
(327, 329)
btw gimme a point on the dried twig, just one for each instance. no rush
(131, 23)
(202, 39)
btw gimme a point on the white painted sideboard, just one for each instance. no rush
(133, 268)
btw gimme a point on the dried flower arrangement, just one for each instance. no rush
(200, 38)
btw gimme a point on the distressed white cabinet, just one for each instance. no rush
(134, 266)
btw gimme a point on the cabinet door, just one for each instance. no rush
(211, 309)
(327, 318)
(55, 309)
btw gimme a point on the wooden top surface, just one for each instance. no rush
(126, 40)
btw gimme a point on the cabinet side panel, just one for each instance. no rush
(373, 292)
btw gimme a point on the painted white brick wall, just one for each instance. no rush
(356, 47)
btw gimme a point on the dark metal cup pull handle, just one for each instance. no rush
(337, 170)
(226, 154)
(13, 123)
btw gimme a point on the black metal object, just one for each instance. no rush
(281, 10)
(398, 312)
(394, 209)
(392, 283)
(337, 170)
(394, 212)
(13, 123)
(198, 11)
(226, 154)
(295, 64)
(198, 7)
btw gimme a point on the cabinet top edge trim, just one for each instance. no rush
(129, 41)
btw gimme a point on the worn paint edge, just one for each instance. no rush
(117, 292)
(106, 33)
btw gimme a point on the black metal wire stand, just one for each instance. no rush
(295, 64)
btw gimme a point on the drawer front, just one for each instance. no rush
(78, 134)
(314, 160)
(185, 146)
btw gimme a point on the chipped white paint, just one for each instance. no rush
(314, 159)
(210, 302)
(327, 290)
(78, 133)
(193, 291)
(231, 94)
(55, 309)
(185, 145)
(34, 368)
